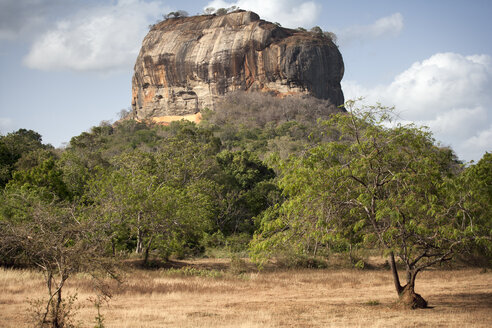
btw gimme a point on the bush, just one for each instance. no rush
(238, 242)
(298, 261)
(238, 265)
(255, 109)
(176, 14)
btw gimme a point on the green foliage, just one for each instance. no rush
(137, 203)
(243, 169)
(188, 271)
(19, 149)
(45, 178)
(291, 260)
(247, 191)
(98, 302)
(374, 186)
(359, 265)
(238, 265)
(471, 194)
(300, 177)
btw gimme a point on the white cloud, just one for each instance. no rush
(479, 143)
(103, 38)
(384, 27)
(448, 92)
(289, 13)
(24, 19)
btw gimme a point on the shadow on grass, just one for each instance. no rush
(156, 264)
(465, 300)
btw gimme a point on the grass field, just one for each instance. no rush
(209, 296)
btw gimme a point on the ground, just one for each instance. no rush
(204, 293)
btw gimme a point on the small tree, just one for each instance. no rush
(176, 14)
(375, 186)
(221, 11)
(330, 35)
(209, 10)
(55, 238)
(316, 30)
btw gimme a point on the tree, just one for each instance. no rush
(316, 30)
(46, 178)
(221, 11)
(13, 147)
(55, 238)
(375, 186)
(471, 194)
(209, 10)
(244, 190)
(153, 209)
(176, 14)
(126, 198)
(330, 35)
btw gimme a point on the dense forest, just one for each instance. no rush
(268, 177)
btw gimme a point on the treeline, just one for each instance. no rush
(176, 190)
(163, 190)
(289, 177)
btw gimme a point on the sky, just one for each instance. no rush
(66, 65)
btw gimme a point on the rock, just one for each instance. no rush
(188, 64)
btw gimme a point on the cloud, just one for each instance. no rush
(449, 93)
(23, 19)
(388, 26)
(289, 13)
(102, 38)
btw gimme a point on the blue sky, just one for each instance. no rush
(66, 65)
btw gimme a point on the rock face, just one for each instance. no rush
(187, 64)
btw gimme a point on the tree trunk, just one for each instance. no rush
(394, 271)
(147, 250)
(408, 298)
(113, 247)
(139, 248)
(49, 280)
(57, 315)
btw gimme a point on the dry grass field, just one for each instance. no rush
(209, 296)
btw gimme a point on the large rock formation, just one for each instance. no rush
(187, 64)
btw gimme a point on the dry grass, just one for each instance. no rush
(301, 298)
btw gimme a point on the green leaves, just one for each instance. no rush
(376, 183)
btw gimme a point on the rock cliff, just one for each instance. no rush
(187, 64)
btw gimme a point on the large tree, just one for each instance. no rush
(378, 186)
(138, 204)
